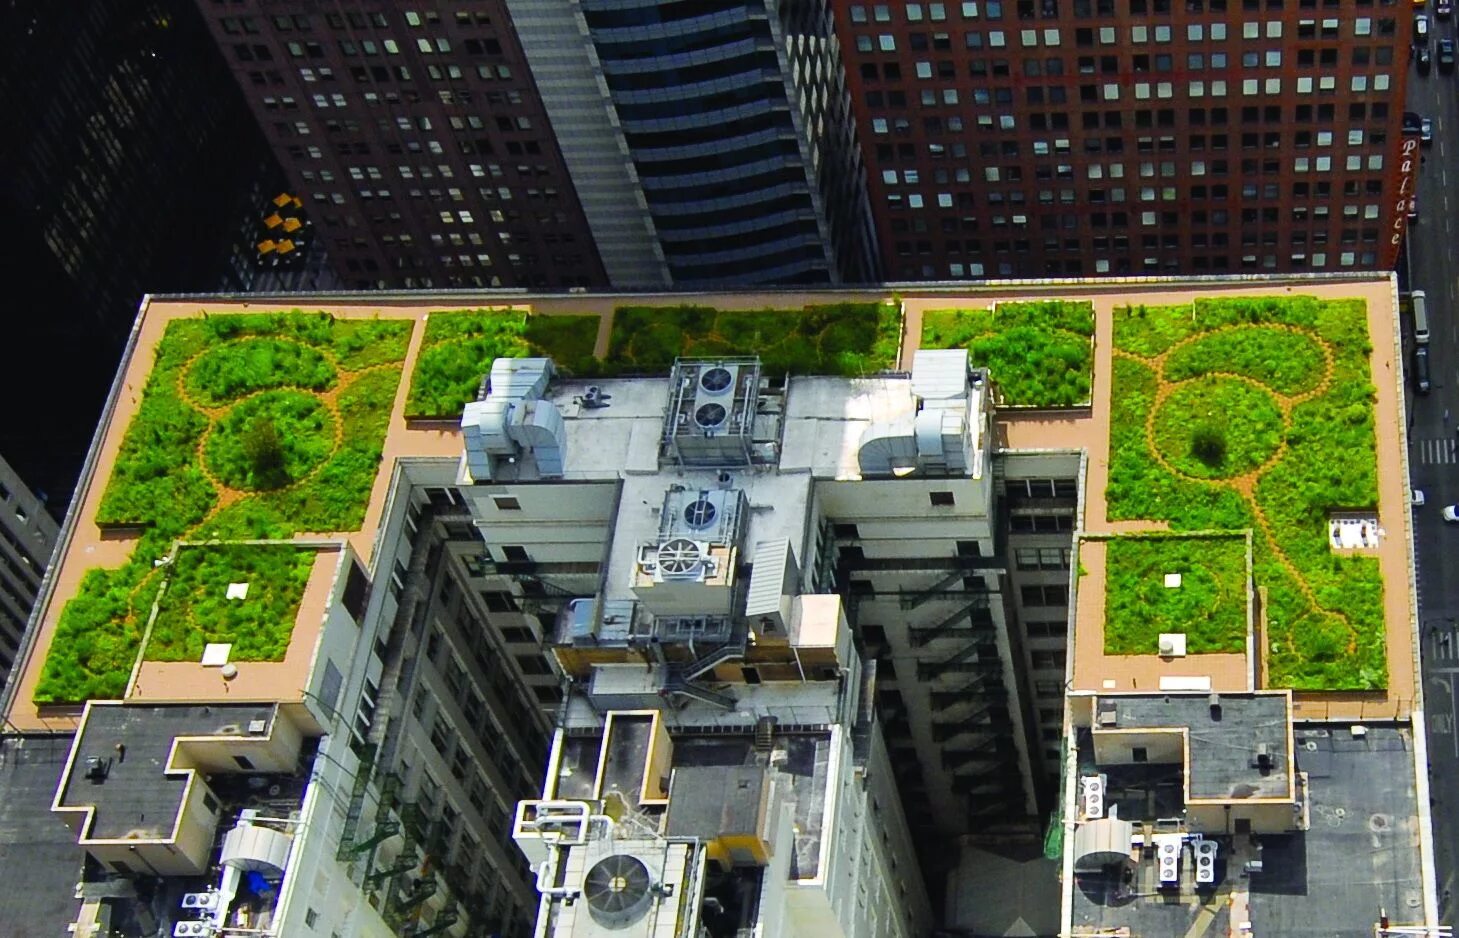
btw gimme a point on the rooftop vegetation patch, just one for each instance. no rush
(837, 339)
(194, 610)
(1325, 626)
(459, 347)
(1209, 606)
(225, 445)
(1039, 353)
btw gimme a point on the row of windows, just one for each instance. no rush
(1150, 265)
(1084, 9)
(1328, 28)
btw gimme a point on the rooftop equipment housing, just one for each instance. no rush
(512, 423)
(940, 436)
(711, 414)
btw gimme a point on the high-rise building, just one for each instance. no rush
(550, 144)
(1032, 138)
(749, 141)
(717, 647)
(27, 538)
(417, 139)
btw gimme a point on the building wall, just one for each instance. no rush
(924, 582)
(735, 118)
(1040, 493)
(417, 137)
(575, 93)
(1026, 138)
(27, 539)
(868, 886)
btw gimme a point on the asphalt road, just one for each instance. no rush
(1433, 422)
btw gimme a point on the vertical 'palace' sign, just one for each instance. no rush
(1408, 162)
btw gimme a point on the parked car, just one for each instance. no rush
(1421, 28)
(1421, 369)
(1422, 59)
(1426, 131)
(1412, 123)
(1451, 512)
(1446, 55)
(1443, 8)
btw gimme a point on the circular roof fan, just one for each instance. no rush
(700, 513)
(679, 556)
(710, 416)
(715, 380)
(618, 890)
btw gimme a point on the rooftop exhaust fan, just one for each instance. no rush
(710, 416)
(618, 889)
(716, 380)
(679, 557)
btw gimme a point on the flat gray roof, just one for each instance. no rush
(40, 862)
(1223, 745)
(1360, 854)
(134, 797)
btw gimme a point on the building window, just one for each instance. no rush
(1035, 594)
(941, 499)
(311, 917)
(506, 503)
(845, 531)
(244, 763)
(1139, 754)
(514, 554)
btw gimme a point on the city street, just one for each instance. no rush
(1434, 449)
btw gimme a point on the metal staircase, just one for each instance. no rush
(675, 684)
(708, 662)
(965, 619)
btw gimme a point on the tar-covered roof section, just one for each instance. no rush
(710, 801)
(131, 793)
(1360, 854)
(1224, 740)
(39, 859)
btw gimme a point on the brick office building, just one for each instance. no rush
(1090, 137)
(417, 137)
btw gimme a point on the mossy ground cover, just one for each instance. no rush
(194, 609)
(459, 347)
(1209, 606)
(1038, 353)
(323, 379)
(1325, 628)
(839, 339)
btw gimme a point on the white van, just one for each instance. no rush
(1420, 318)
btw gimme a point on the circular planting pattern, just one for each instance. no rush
(270, 440)
(1221, 416)
(1217, 428)
(231, 370)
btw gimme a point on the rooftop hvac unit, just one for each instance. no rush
(710, 416)
(1092, 790)
(618, 889)
(1167, 856)
(1205, 861)
(717, 380)
(680, 559)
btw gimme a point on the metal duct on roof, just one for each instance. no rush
(250, 847)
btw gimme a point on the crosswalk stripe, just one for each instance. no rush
(1437, 452)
